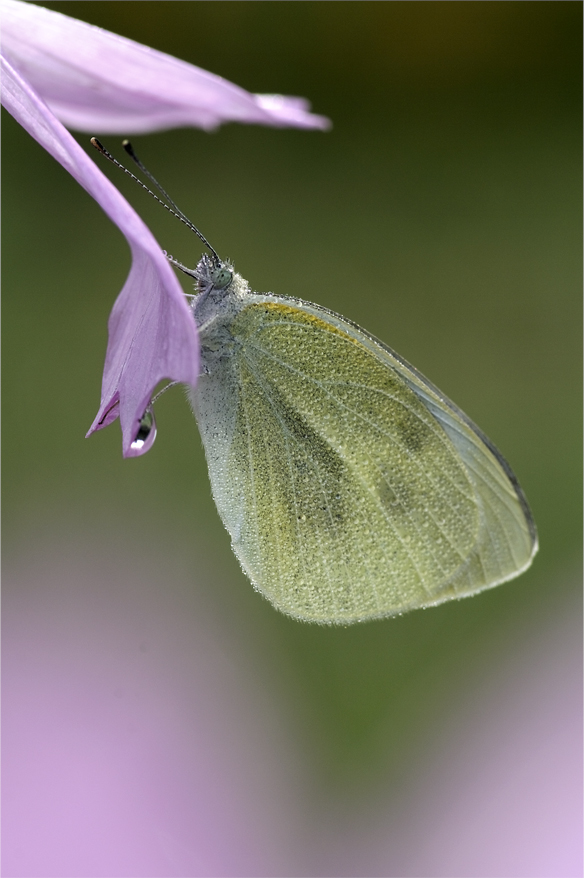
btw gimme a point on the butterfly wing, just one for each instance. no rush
(351, 488)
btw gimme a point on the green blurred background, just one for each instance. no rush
(441, 212)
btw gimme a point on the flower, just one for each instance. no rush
(56, 68)
(152, 334)
(95, 80)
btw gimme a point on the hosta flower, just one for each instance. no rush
(57, 70)
(97, 81)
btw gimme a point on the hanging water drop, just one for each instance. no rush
(146, 431)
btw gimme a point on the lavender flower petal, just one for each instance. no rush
(94, 80)
(152, 334)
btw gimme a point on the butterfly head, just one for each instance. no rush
(212, 275)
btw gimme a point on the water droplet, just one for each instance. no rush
(146, 431)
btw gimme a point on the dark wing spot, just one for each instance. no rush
(413, 432)
(310, 474)
(316, 465)
(393, 496)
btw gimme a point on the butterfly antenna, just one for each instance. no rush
(173, 209)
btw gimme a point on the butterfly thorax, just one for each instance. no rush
(221, 295)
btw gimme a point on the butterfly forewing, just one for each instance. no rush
(346, 495)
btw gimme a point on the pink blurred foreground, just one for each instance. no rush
(139, 740)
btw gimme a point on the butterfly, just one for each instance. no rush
(351, 487)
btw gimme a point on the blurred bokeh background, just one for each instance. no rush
(160, 718)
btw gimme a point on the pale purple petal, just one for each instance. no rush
(152, 334)
(94, 80)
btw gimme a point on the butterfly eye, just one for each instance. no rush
(221, 278)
